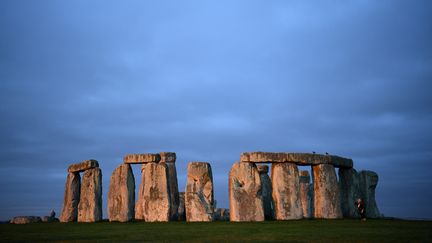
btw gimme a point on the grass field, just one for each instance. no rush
(293, 231)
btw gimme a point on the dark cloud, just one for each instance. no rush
(83, 80)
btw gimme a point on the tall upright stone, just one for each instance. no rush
(121, 194)
(326, 192)
(139, 209)
(245, 196)
(156, 196)
(368, 183)
(71, 198)
(306, 193)
(169, 158)
(199, 199)
(266, 191)
(286, 193)
(90, 205)
(181, 212)
(349, 186)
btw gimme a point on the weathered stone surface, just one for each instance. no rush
(90, 205)
(368, 182)
(121, 194)
(71, 198)
(326, 192)
(25, 220)
(181, 208)
(199, 198)
(172, 184)
(349, 191)
(156, 205)
(266, 191)
(246, 202)
(286, 194)
(306, 193)
(141, 158)
(221, 214)
(167, 157)
(85, 165)
(139, 213)
(297, 158)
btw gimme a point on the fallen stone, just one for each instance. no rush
(71, 198)
(245, 198)
(25, 220)
(121, 194)
(266, 191)
(156, 200)
(286, 194)
(326, 192)
(48, 219)
(181, 208)
(141, 158)
(90, 205)
(297, 158)
(199, 200)
(368, 183)
(85, 165)
(350, 191)
(221, 214)
(306, 193)
(169, 159)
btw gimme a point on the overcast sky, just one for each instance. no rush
(209, 80)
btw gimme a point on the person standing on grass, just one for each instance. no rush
(361, 208)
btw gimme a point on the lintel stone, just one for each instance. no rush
(141, 158)
(85, 165)
(297, 158)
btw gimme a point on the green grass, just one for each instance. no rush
(292, 231)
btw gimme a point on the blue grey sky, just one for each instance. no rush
(209, 80)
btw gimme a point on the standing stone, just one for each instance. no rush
(71, 198)
(181, 208)
(368, 183)
(199, 193)
(266, 191)
(305, 194)
(350, 191)
(121, 194)
(90, 205)
(139, 206)
(169, 158)
(326, 192)
(286, 194)
(156, 197)
(246, 202)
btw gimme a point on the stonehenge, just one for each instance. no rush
(71, 198)
(83, 199)
(90, 204)
(306, 193)
(245, 194)
(266, 191)
(326, 192)
(286, 194)
(121, 194)
(199, 199)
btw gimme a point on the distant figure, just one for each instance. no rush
(313, 152)
(327, 153)
(361, 208)
(52, 214)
